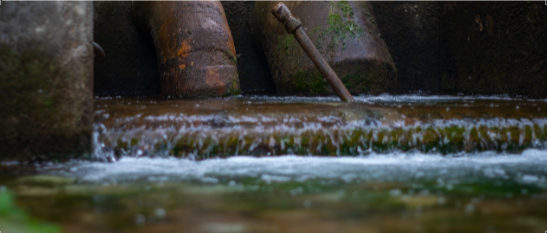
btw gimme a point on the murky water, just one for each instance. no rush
(265, 164)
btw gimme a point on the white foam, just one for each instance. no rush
(395, 166)
(387, 98)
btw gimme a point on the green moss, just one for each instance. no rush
(340, 25)
(443, 140)
(231, 56)
(285, 41)
(358, 80)
(312, 84)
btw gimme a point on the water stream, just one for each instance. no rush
(259, 126)
(292, 164)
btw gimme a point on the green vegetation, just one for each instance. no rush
(14, 219)
(340, 25)
(311, 84)
(285, 42)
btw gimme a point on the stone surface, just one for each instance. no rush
(130, 65)
(344, 33)
(254, 73)
(412, 33)
(194, 46)
(46, 79)
(495, 48)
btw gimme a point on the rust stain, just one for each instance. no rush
(165, 40)
(183, 50)
(231, 45)
(213, 79)
(176, 39)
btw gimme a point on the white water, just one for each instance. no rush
(387, 98)
(528, 167)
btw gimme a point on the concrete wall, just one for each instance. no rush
(46, 79)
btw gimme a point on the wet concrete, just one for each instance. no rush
(46, 79)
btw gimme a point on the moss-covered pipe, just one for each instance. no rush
(343, 32)
(282, 13)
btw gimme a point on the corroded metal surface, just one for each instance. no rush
(194, 46)
(282, 13)
(344, 33)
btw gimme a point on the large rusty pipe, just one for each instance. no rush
(194, 46)
(282, 13)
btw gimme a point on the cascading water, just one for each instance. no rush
(262, 126)
(293, 164)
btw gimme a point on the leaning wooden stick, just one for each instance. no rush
(282, 13)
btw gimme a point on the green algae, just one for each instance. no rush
(358, 81)
(340, 26)
(312, 84)
(285, 42)
(443, 140)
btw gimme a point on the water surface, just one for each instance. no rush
(285, 164)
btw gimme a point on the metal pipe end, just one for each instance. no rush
(283, 14)
(280, 11)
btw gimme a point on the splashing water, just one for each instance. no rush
(263, 126)
(384, 164)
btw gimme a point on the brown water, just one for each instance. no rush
(384, 164)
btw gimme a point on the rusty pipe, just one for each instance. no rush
(194, 46)
(282, 13)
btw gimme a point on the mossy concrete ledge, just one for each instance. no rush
(46, 80)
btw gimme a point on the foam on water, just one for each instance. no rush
(528, 167)
(387, 98)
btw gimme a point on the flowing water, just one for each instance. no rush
(291, 164)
